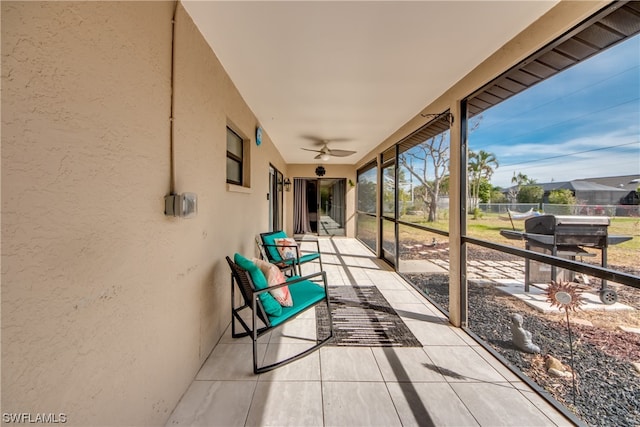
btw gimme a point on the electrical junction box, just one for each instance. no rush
(183, 205)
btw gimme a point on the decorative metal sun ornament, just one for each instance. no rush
(564, 295)
(567, 296)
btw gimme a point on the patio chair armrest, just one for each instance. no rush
(293, 282)
(309, 240)
(309, 277)
(297, 248)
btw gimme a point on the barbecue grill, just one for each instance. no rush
(566, 237)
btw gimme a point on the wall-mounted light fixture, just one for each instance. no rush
(287, 184)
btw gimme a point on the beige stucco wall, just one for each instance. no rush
(332, 171)
(109, 307)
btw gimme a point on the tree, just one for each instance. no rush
(481, 167)
(444, 185)
(520, 180)
(530, 194)
(432, 156)
(484, 191)
(562, 196)
(367, 196)
(497, 196)
(388, 193)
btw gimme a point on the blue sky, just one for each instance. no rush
(584, 122)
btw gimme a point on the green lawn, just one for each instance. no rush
(489, 225)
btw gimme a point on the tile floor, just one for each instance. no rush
(450, 381)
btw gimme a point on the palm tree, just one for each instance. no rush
(520, 180)
(481, 165)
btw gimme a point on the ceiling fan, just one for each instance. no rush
(326, 153)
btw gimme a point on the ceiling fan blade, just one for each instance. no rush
(309, 149)
(323, 141)
(316, 140)
(341, 153)
(318, 156)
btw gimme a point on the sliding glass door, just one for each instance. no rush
(319, 206)
(388, 208)
(331, 207)
(275, 199)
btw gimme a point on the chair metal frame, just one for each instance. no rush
(297, 264)
(251, 300)
(288, 269)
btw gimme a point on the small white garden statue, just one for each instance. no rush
(522, 338)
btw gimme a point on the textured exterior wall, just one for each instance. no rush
(109, 307)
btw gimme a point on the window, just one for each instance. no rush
(559, 135)
(366, 222)
(235, 158)
(367, 185)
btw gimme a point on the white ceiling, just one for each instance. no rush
(354, 71)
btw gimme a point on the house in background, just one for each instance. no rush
(586, 192)
(615, 190)
(629, 183)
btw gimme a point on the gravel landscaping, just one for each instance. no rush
(607, 384)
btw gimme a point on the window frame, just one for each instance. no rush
(240, 160)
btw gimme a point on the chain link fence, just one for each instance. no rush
(548, 208)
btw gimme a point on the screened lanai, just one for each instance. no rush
(115, 308)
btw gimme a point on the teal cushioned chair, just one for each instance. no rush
(273, 255)
(305, 294)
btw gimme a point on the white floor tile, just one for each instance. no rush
(434, 333)
(227, 338)
(419, 312)
(286, 404)
(499, 405)
(462, 364)
(401, 296)
(390, 284)
(349, 364)
(556, 417)
(465, 337)
(424, 404)
(358, 404)
(405, 365)
(304, 369)
(496, 364)
(296, 331)
(231, 362)
(214, 403)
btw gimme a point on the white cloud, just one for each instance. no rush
(571, 159)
